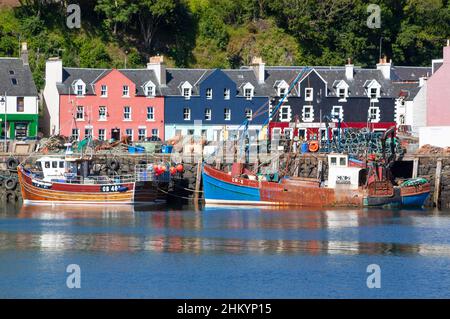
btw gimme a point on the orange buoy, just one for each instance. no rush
(313, 146)
(172, 170)
(180, 168)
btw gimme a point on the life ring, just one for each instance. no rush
(10, 183)
(113, 164)
(12, 163)
(313, 146)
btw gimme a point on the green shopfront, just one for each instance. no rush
(19, 126)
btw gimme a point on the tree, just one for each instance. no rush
(115, 12)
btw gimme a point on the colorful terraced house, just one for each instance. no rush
(104, 103)
(19, 102)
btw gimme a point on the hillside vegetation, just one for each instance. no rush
(224, 33)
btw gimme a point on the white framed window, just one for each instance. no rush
(227, 114)
(155, 132)
(248, 91)
(186, 114)
(125, 90)
(285, 113)
(209, 93)
(104, 91)
(342, 94)
(308, 113)
(309, 94)
(187, 92)
(129, 133)
(102, 113)
(75, 134)
(101, 134)
(282, 91)
(288, 132)
(208, 114)
(248, 114)
(88, 133)
(150, 113)
(150, 90)
(374, 114)
(226, 94)
(374, 93)
(337, 113)
(80, 89)
(127, 113)
(80, 113)
(142, 133)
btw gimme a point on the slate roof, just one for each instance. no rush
(23, 78)
(175, 77)
(90, 76)
(408, 90)
(409, 73)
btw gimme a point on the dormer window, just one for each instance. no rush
(226, 94)
(309, 94)
(125, 90)
(373, 93)
(373, 90)
(150, 89)
(186, 90)
(79, 87)
(342, 94)
(281, 87)
(341, 90)
(281, 92)
(209, 93)
(248, 91)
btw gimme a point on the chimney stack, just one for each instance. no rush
(447, 52)
(385, 67)
(349, 69)
(258, 67)
(24, 53)
(158, 66)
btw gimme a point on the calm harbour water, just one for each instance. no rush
(154, 252)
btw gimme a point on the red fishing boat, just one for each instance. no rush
(67, 181)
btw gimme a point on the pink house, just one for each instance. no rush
(438, 93)
(104, 103)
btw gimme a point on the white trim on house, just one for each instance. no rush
(311, 117)
(377, 114)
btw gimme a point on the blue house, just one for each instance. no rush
(213, 103)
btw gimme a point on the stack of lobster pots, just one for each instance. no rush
(9, 184)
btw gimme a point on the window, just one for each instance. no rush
(102, 113)
(287, 133)
(285, 113)
(333, 161)
(186, 114)
(227, 114)
(87, 133)
(282, 92)
(323, 134)
(308, 113)
(75, 134)
(150, 113)
(373, 93)
(342, 94)
(129, 133)
(302, 133)
(248, 93)
(104, 90)
(190, 132)
(187, 93)
(374, 114)
(125, 90)
(61, 164)
(54, 164)
(150, 90)
(80, 89)
(80, 113)
(155, 132)
(14, 81)
(207, 114)
(337, 113)
(101, 134)
(142, 133)
(209, 93)
(226, 94)
(127, 113)
(20, 104)
(248, 114)
(11, 72)
(309, 94)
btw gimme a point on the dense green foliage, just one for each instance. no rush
(225, 33)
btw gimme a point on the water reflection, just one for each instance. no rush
(229, 231)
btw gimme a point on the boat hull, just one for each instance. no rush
(38, 191)
(223, 189)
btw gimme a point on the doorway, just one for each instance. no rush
(115, 133)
